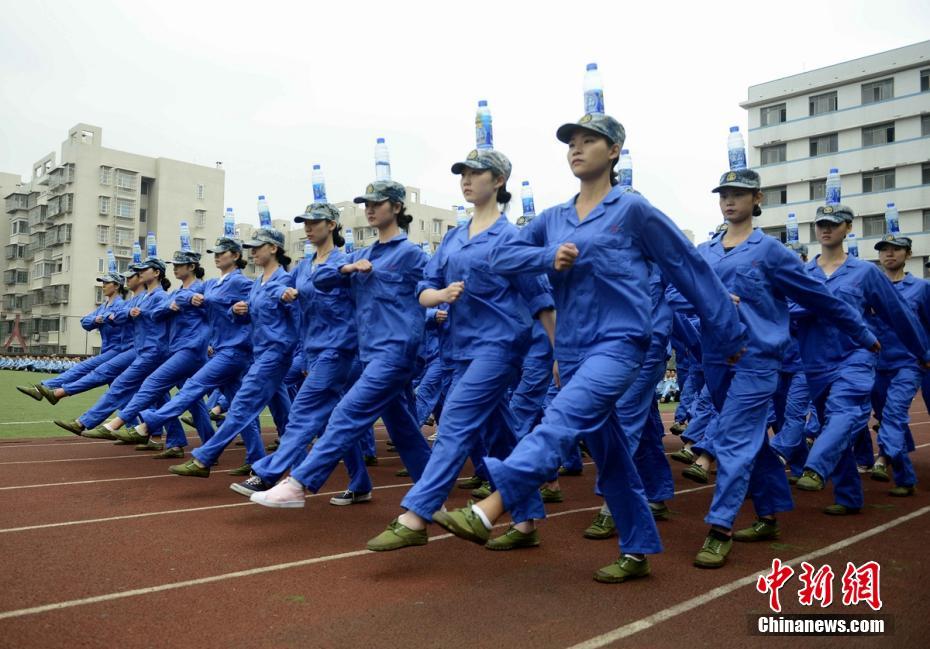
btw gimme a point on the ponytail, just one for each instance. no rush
(282, 258)
(403, 219)
(165, 284)
(123, 291)
(198, 271)
(338, 240)
(503, 196)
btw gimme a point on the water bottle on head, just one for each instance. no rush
(626, 168)
(484, 135)
(461, 216)
(382, 160)
(891, 219)
(792, 228)
(151, 249)
(593, 91)
(319, 185)
(186, 237)
(834, 187)
(229, 224)
(112, 266)
(852, 246)
(736, 149)
(264, 216)
(350, 240)
(136, 253)
(308, 249)
(526, 197)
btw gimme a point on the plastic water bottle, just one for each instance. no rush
(185, 237)
(319, 185)
(461, 216)
(350, 240)
(834, 187)
(793, 228)
(264, 216)
(736, 149)
(151, 250)
(382, 160)
(136, 253)
(484, 134)
(626, 168)
(593, 91)
(308, 249)
(229, 223)
(851, 246)
(891, 219)
(112, 266)
(526, 196)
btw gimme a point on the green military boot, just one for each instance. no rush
(190, 469)
(48, 394)
(513, 539)
(902, 492)
(100, 432)
(397, 536)
(131, 435)
(464, 523)
(621, 570)
(697, 473)
(810, 481)
(684, 455)
(840, 510)
(713, 553)
(761, 530)
(482, 492)
(551, 495)
(602, 527)
(31, 391)
(73, 426)
(880, 472)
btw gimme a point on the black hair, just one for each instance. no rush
(338, 239)
(756, 209)
(403, 219)
(503, 196)
(282, 257)
(122, 290)
(165, 283)
(198, 270)
(241, 263)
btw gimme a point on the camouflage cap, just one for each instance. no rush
(112, 278)
(225, 244)
(739, 179)
(601, 124)
(897, 241)
(130, 272)
(151, 262)
(318, 212)
(834, 214)
(485, 159)
(383, 190)
(261, 236)
(185, 257)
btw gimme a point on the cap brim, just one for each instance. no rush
(372, 198)
(459, 167)
(829, 218)
(734, 185)
(565, 131)
(253, 244)
(896, 243)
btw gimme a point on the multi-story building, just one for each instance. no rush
(62, 221)
(869, 118)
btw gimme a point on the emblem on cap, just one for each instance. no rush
(370, 189)
(731, 176)
(889, 237)
(472, 155)
(585, 119)
(828, 209)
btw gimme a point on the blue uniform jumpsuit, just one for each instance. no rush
(111, 344)
(188, 335)
(490, 327)
(117, 321)
(430, 385)
(274, 334)
(791, 405)
(329, 347)
(389, 321)
(603, 331)
(230, 339)
(763, 274)
(841, 371)
(896, 383)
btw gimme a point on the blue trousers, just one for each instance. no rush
(280, 406)
(429, 390)
(686, 396)
(476, 407)
(383, 390)
(654, 469)
(326, 381)
(703, 416)
(925, 390)
(82, 369)
(172, 373)
(222, 371)
(891, 398)
(793, 401)
(104, 374)
(528, 398)
(261, 382)
(585, 407)
(122, 388)
(841, 399)
(745, 461)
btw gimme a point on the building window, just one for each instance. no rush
(124, 208)
(198, 192)
(100, 265)
(98, 294)
(199, 245)
(925, 173)
(779, 232)
(926, 220)
(774, 195)
(873, 226)
(123, 237)
(877, 91)
(819, 104)
(143, 214)
(125, 180)
(103, 204)
(200, 218)
(103, 234)
(774, 154)
(105, 175)
(773, 115)
(878, 134)
(877, 181)
(422, 225)
(823, 144)
(437, 227)
(19, 227)
(924, 125)
(925, 80)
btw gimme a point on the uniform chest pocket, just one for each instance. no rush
(852, 296)
(389, 284)
(481, 281)
(612, 256)
(748, 284)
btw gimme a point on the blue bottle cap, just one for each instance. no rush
(734, 129)
(624, 151)
(261, 197)
(315, 167)
(834, 170)
(526, 182)
(380, 140)
(482, 102)
(790, 214)
(591, 66)
(890, 205)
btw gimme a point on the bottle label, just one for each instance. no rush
(186, 242)
(737, 159)
(264, 219)
(484, 137)
(382, 170)
(833, 195)
(793, 233)
(854, 249)
(319, 193)
(528, 206)
(626, 177)
(229, 228)
(594, 102)
(893, 226)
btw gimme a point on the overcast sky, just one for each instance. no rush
(275, 88)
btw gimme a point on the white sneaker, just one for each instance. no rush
(286, 494)
(350, 498)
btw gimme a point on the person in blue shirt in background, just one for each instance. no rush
(840, 370)
(597, 249)
(382, 278)
(899, 375)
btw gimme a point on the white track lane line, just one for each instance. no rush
(57, 606)
(666, 614)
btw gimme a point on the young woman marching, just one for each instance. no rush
(382, 278)
(329, 348)
(596, 249)
(274, 333)
(490, 320)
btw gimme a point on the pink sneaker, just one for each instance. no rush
(286, 494)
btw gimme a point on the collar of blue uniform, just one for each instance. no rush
(400, 237)
(612, 197)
